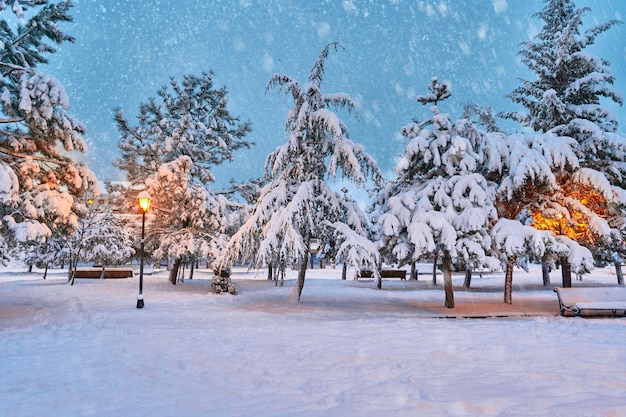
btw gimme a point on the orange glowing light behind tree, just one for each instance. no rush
(574, 225)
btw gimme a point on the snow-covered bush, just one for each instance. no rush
(221, 283)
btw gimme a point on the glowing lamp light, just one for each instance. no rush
(144, 201)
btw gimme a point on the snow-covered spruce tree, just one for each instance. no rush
(298, 204)
(233, 216)
(109, 238)
(440, 203)
(565, 100)
(526, 168)
(74, 244)
(39, 181)
(179, 138)
(565, 97)
(43, 254)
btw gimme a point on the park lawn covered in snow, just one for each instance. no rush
(347, 349)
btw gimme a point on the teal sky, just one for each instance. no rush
(127, 49)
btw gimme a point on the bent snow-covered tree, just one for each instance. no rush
(39, 182)
(298, 205)
(440, 203)
(565, 100)
(179, 138)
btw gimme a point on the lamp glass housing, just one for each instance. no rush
(144, 201)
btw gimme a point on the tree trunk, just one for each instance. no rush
(45, 271)
(618, 272)
(181, 272)
(297, 289)
(69, 270)
(414, 271)
(446, 267)
(71, 273)
(545, 272)
(435, 270)
(467, 282)
(173, 275)
(30, 268)
(280, 279)
(191, 267)
(566, 272)
(102, 271)
(269, 272)
(344, 271)
(508, 281)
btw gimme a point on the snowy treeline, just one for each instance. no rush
(469, 195)
(465, 193)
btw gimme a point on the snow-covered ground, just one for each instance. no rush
(347, 349)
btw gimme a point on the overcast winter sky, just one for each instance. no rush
(127, 49)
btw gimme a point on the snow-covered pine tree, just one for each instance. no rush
(526, 181)
(74, 244)
(565, 100)
(298, 204)
(109, 239)
(179, 138)
(526, 168)
(440, 203)
(39, 181)
(43, 254)
(570, 82)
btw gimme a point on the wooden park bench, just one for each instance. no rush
(384, 273)
(592, 301)
(108, 273)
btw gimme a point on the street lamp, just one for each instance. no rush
(144, 204)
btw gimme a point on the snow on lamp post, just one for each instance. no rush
(144, 204)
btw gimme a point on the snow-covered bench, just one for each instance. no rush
(108, 273)
(384, 273)
(592, 301)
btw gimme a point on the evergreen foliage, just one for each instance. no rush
(441, 202)
(108, 238)
(40, 184)
(179, 138)
(570, 81)
(298, 205)
(565, 100)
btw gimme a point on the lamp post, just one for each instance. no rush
(144, 204)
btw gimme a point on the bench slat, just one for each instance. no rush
(384, 273)
(108, 273)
